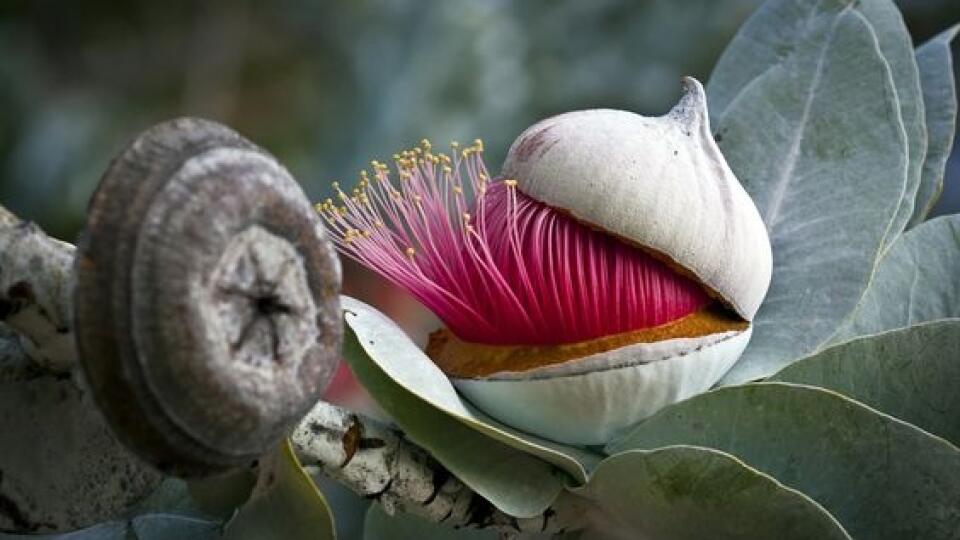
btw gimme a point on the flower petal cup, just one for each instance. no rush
(613, 268)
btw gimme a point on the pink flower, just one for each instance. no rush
(504, 269)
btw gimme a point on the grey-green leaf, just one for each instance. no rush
(897, 49)
(393, 351)
(910, 373)
(379, 525)
(172, 496)
(169, 526)
(111, 530)
(807, 116)
(940, 107)
(421, 400)
(153, 526)
(881, 477)
(223, 494)
(917, 280)
(285, 503)
(685, 492)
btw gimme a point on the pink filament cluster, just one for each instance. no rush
(507, 269)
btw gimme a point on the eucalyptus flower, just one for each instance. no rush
(612, 268)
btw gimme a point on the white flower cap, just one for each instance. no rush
(658, 182)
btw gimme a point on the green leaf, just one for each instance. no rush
(686, 492)
(916, 281)
(881, 477)
(897, 49)
(386, 345)
(806, 113)
(168, 526)
(910, 373)
(223, 494)
(284, 504)
(112, 530)
(514, 481)
(172, 496)
(379, 525)
(940, 108)
(159, 526)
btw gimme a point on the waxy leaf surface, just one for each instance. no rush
(515, 471)
(940, 107)
(379, 525)
(896, 46)
(882, 478)
(285, 503)
(805, 110)
(917, 280)
(910, 373)
(686, 492)
(153, 526)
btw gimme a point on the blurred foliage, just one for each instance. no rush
(327, 86)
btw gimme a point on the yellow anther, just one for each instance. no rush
(454, 144)
(510, 182)
(411, 252)
(478, 144)
(458, 190)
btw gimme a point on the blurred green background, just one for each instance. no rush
(328, 86)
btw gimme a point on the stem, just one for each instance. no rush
(378, 462)
(35, 288)
(369, 458)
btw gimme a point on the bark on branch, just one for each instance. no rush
(369, 458)
(35, 287)
(378, 462)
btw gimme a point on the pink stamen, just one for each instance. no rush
(507, 270)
